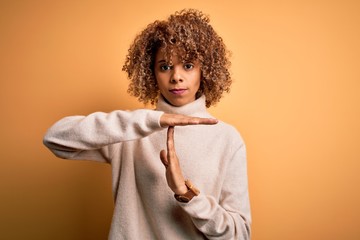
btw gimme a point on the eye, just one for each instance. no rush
(165, 67)
(188, 66)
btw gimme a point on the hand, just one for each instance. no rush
(174, 176)
(167, 120)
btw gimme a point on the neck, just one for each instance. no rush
(195, 108)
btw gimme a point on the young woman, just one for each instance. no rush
(188, 182)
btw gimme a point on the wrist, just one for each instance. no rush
(163, 120)
(192, 191)
(181, 190)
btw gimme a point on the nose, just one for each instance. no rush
(176, 75)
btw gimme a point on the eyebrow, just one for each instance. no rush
(164, 61)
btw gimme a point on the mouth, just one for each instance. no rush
(177, 91)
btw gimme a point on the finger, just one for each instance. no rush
(182, 120)
(170, 143)
(208, 121)
(196, 120)
(163, 158)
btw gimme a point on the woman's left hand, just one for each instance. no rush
(174, 176)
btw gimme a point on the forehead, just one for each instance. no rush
(170, 54)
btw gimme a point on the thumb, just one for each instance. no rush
(163, 158)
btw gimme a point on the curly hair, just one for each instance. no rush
(190, 32)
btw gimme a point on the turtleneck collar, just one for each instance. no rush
(195, 108)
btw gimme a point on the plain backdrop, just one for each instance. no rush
(295, 99)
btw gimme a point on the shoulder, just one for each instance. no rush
(223, 134)
(229, 131)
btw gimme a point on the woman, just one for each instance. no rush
(181, 66)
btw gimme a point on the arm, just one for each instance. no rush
(228, 218)
(88, 137)
(91, 137)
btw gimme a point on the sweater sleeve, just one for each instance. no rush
(228, 218)
(90, 137)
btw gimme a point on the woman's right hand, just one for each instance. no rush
(167, 120)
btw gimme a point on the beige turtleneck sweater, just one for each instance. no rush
(213, 157)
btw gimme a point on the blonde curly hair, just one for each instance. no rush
(190, 32)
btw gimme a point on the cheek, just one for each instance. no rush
(198, 79)
(161, 81)
(157, 77)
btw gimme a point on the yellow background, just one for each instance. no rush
(295, 99)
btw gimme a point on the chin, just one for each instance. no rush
(176, 104)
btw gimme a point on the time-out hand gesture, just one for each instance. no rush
(174, 176)
(167, 120)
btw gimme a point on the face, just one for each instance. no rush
(178, 82)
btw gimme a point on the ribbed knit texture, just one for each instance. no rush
(213, 157)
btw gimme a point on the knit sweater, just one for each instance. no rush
(213, 157)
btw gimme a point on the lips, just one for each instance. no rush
(178, 91)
